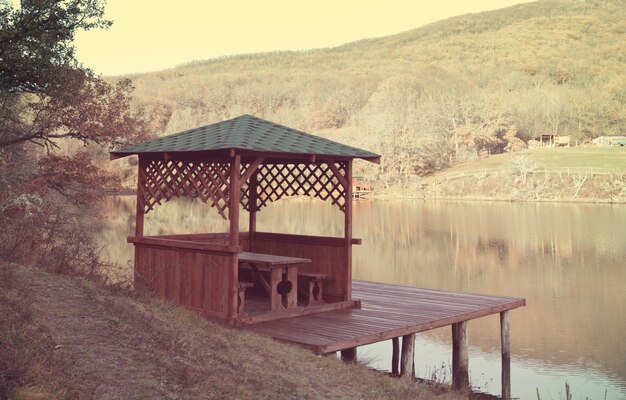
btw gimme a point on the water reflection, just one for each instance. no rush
(568, 260)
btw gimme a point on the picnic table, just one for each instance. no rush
(283, 273)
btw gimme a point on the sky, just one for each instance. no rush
(151, 35)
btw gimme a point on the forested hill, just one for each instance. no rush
(452, 90)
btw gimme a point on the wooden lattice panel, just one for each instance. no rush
(163, 180)
(209, 182)
(276, 181)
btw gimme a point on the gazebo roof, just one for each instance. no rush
(250, 135)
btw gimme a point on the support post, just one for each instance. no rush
(349, 355)
(252, 204)
(460, 362)
(138, 280)
(506, 355)
(141, 181)
(233, 216)
(348, 231)
(395, 356)
(408, 356)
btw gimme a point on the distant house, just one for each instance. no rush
(610, 141)
(360, 186)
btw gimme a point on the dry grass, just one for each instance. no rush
(73, 339)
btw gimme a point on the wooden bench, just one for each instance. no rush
(311, 289)
(241, 295)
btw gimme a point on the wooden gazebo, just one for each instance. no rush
(247, 162)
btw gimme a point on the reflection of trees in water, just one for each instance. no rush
(564, 258)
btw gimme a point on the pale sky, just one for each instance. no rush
(150, 35)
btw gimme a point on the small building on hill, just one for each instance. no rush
(551, 140)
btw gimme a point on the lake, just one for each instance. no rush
(567, 260)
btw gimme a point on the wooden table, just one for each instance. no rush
(283, 284)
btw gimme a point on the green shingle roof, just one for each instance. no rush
(247, 133)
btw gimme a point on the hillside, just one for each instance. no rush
(425, 99)
(63, 337)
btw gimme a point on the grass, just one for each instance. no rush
(120, 346)
(613, 158)
(580, 174)
(609, 157)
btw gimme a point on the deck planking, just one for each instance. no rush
(387, 311)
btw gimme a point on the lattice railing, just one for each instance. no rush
(209, 182)
(276, 181)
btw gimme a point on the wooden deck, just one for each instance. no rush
(387, 311)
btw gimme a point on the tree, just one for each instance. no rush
(45, 94)
(47, 100)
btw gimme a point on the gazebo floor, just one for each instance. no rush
(387, 311)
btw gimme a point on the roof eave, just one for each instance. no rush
(310, 157)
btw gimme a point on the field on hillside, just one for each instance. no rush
(585, 173)
(576, 159)
(609, 157)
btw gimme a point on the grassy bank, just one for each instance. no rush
(582, 174)
(63, 337)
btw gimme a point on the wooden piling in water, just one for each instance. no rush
(506, 355)
(395, 356)
(460, 362)
(348, 355)
(407, 369)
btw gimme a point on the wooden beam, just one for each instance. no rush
(251, 169)
(506, 355)
(139, 214)
(306, 239)
(233, 214)
(342, 179)
(252, 206)
(395, 356)
(407, 356)
(348, 231)
(182, 244)
(460, 361)
(349, 355)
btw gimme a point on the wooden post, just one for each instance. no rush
(506, 355)
(348, 231)
(407, 356)
(252, 204)
(139, 213)
(460, 364)
(395, 356)
(233, 215)
(349, 355)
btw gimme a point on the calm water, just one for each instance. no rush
(568, 260)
